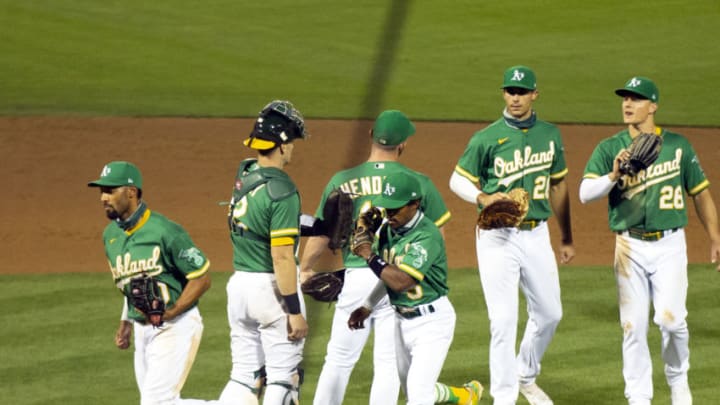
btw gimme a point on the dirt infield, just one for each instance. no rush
(52, 222)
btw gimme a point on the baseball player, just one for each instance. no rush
(518, 151)
(363, 183)
(138, 243)
(648, 213)
(265, 311)
(409, 258)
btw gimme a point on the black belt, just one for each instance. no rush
(530, 224)
(642, 234)
(414, 312)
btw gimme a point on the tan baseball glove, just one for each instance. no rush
(505, 213)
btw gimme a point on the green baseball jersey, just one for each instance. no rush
(264, 212)
(501, 157)
(364, 183)
(419, 252)
(653, 200)
(157, 247)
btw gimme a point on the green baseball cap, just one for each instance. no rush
(398, 190)
(519, 76)
(392, 127)
(117, 174)
(640, 86)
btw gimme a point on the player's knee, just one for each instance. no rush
(553, 317)
(670, 323)
(503, 325)
(244, 386)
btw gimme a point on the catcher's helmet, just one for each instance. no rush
(279, 122)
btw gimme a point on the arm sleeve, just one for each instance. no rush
(593, 188)
(464, 188)
(124, 314)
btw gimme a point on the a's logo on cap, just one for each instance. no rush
(105, 171)
(130, 180)
(389, 189)
(517, 76)
(634, 82)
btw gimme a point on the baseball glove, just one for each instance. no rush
(325, 286)
(338, 218)
(145, 296)
(505, 213)
(644, 150)
(367, 224)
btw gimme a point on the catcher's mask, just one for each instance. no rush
(278, 123)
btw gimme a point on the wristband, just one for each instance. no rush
(293, 303)
(377, 264)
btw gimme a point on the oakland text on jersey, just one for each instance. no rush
(366, 185)
(517, 167)
(125, 266)
(654, 174)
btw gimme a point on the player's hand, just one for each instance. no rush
(297, 327)
(306, 274)
(123, 335)
(622, 156)
(567, 253)
(715, 254)
(358, 317)
(487, 199)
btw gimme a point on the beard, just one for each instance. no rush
(111, 213)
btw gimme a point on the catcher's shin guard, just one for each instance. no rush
(286, 392)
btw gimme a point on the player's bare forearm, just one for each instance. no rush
(192, 292)
(707, 213)
(314, 247)
(396, 279)
(284, 267)
(560, 203)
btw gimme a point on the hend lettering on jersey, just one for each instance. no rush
(656, 173)
(126, 266)
(367, 185)
(523, 160)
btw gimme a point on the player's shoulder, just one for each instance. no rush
(674, 137)
(615, 141)
(157, 219)
(546, 126)
(427, 228)
(489, 129)
(245, 166)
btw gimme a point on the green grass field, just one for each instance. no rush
(433, 60)
(57, 341)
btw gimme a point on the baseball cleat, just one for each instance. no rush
(476, 391)
(535, 395)
(680, 395)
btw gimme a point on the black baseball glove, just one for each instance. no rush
(145, 296)
(338, 218)
(644, 150)
(324, 287)
(367, 224)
